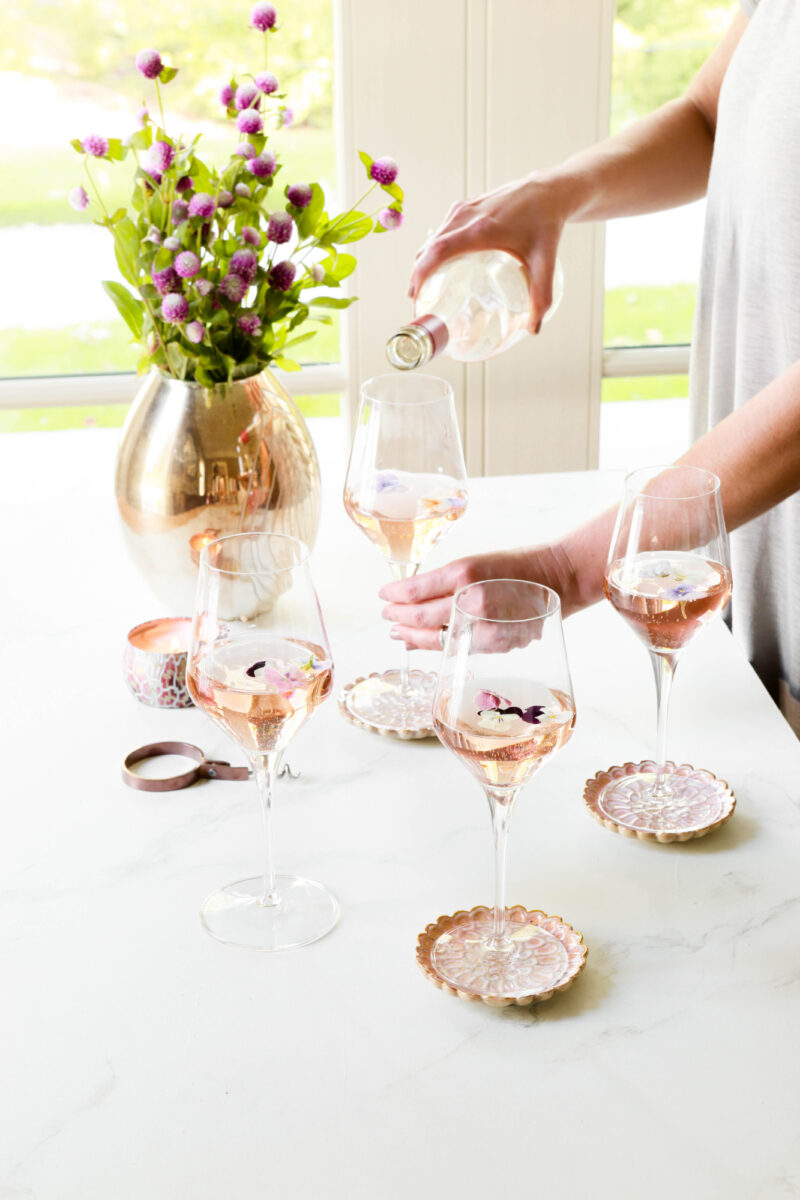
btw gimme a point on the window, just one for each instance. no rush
(652, 262)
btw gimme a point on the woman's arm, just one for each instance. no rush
(755, 452)
(658, 162)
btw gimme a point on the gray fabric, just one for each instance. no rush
(747, 323)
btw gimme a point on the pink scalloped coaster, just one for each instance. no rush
(370, 702)
(562, 954)
(616, 799)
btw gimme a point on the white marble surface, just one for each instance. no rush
(141, 1059)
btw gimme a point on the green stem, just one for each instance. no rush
(161, 106)
(351, 209)
(94, 188)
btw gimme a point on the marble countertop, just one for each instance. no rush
(141, 1059)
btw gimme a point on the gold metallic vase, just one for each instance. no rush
(195, 463)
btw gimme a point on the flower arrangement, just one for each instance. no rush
(222, 271)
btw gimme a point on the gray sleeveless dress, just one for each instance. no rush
(747, 322)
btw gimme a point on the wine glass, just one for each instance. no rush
(668, 575)
(405, 485)
(504, 706)
(259, 666)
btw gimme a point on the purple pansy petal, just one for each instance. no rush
(489, 700)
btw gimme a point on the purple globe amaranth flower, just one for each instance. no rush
(233, 287)
(281, 277)
(280, 227)
(249, 323)
(267, 83)
(384, 170)
(242, 189)
(95, 145)
(180, 211)
(166, 281)
(203, 287)
(174, 308)
(202, 205)
(251, 235)
(195, 331)
(288, 116)
(390, 218)
(153, 235)
(154, 176)
(78, 199)
(244, 263)
(224, 199)
(249, 121)
(246, 95)
(245, 150)
(143, 116)
(149, 63)
(184, 184)
(263, 17)
(207, 233)
(263, 165)
(226, 94)
(318, 272)
(172, 243)
(161, 156)
(299, 194)
(187, 264)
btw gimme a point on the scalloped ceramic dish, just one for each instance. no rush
(705, 803)
(523, 922)
(367, 703)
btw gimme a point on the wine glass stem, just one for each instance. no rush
(664, 671)
(264, 769)
(500, 805)
(402, 570)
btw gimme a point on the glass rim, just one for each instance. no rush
(262, 533)
(656, 471)
(554, 602)
(396, 377)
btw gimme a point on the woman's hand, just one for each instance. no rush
(524, 218)
(419, 607)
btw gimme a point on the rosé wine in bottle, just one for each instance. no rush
(405, 513)
(260, 691)
(474, 307)
(667, 597)
(504, 733)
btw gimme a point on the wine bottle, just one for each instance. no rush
(472, 308)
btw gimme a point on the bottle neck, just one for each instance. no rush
(417, 343)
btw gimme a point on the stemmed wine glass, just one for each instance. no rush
(668, 575)
(504, 706)
(404, 487)
(259, 666)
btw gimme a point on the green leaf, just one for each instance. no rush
(129, 308)
(178, 361)
(142, 139)
(352, 228)
(167, 74)
(340, 267)
(396, 192)
(117, 215)
(76, 145)
(116, 150)
(309, 219)
(333, 301)
(286, 364)
(126, 249)
(367, 161)
(301, 337)
(203, 377)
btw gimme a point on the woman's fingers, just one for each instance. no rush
(416, 639)
(420, 616)
(431, 585)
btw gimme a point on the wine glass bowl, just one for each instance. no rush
(504, 706)
(405, 486)
(668, 575)
(259, 666)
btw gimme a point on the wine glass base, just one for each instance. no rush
(236, 915)
(545, 956)
(379, 703)
(624, 800)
